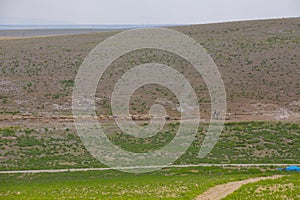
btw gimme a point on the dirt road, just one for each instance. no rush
(140, 167)
(221, 191)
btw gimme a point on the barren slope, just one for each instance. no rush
(259, 62)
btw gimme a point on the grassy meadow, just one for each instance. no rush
(185, 183)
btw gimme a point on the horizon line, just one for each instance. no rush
(147, 24)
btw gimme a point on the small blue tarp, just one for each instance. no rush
(291, 168)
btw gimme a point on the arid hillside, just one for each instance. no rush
(259, 62)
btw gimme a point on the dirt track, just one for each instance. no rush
(140, 167)
(221, 191)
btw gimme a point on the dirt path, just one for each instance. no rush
(221, 191)
(140, 167)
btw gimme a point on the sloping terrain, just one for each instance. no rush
(259, 62)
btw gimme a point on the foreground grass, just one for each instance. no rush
(186, 183)
(287, 187)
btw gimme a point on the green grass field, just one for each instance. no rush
(287, 187)
(184, 183)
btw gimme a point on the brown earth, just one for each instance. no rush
(259, 62)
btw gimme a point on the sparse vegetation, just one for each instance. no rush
(241, 142)
(39, 66)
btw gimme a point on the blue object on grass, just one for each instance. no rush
(293, 168)
(290, 168)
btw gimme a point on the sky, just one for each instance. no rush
(31, 12)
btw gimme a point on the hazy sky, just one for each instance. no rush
(142, 11)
